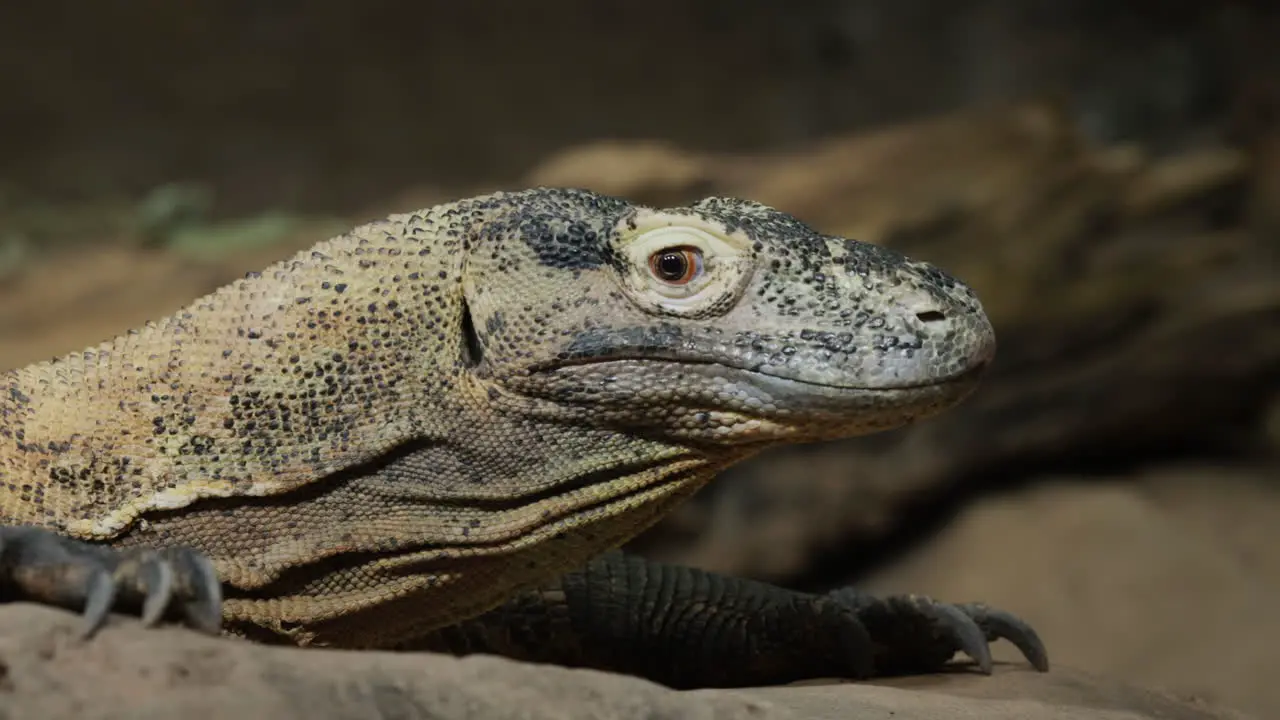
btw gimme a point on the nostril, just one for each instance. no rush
(930, 316)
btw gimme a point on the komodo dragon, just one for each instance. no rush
(406, 436)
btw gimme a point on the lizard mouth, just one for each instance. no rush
(764, 376)
(659, 381)
(728, 405)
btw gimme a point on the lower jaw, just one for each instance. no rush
(814, 424)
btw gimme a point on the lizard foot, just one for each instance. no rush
(39, 565)
(914, 633)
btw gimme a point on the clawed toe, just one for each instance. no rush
(156, 579)
(200, 590)
(917, 633)
(998, 624)
(41, 566)
(963, 631)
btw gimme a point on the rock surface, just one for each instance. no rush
(130, 672)
(1169, 579)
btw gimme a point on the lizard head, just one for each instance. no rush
(724, 322)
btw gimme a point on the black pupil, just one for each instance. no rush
(672, 265)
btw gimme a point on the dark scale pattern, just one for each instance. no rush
(567, 229)
(401, 426)
(688, 628)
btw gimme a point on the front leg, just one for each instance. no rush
(688, 628)
(42, 566)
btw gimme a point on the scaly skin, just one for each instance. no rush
(406, 425)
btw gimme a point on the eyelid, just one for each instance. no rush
(721, 270)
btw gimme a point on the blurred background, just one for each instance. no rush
(1106, 173)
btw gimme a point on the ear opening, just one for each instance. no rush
(472, 350)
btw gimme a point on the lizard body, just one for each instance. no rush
(407, 425)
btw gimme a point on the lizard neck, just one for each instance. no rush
(320, 362)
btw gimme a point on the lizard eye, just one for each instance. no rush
(676, 265)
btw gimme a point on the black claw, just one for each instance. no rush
(919, 634)
(964, 631)
(99, 596)
(203, 608)
(157, 580)
(998, 624)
